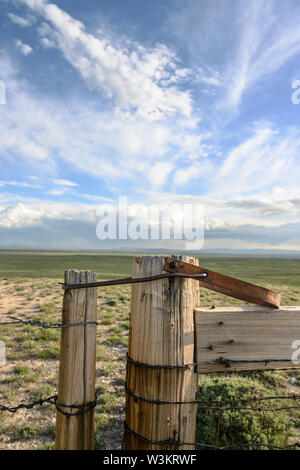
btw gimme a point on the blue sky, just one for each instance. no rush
(174, 101)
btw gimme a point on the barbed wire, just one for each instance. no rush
(227, 362)
(46, 326)
(220, 405)
(86, 407)
(250, 445)
(13, 409)
(220, 360)
(198, 445)
(209, 404)
(52, 400)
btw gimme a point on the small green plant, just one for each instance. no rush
(19, 288)
(48, 308)
(245, 426)
(117, 330)
(108, 319)
(21, 370)
(108, 401)
(107, 369)
(51, 352)
(124, 340)
(112, 340)
(48, 446)
(26, 432)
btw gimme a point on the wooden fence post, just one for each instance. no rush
(77, 371)
(161, 334)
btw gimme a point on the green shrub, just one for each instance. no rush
(48, 308)
(234, 427)
(27, 431)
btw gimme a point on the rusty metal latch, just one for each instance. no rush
(225, 284)
(209, 279)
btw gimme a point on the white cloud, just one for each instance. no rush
(115, 145)
(25, 49)
(19, 184)
(265, 159)
(19, 20)
(37, 223)
(63, 182)
(236, 45)
(19, 215)
(276, 202)
(209, 76)
(266, 43)
(195, 171)
(95, 198)
(136, 79)
(213, 223)
(57, 192)
(62, 186)
(33, 213)
(159, 173)
(47, 43)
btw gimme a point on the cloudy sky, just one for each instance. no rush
(175, 101)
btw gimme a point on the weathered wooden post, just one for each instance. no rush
(77, 370)
(160, 360)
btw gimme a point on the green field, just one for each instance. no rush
(278, 270)
(29, 288)
(280, 273)
(52, 264)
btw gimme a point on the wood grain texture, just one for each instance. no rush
(245, 334)
(161, 333)
(77, 370)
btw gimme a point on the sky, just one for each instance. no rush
(173, 101)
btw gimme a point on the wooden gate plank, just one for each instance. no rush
(246, 338)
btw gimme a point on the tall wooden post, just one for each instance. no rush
(162, 337)
(77, 372)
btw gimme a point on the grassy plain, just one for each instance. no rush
(29, 289)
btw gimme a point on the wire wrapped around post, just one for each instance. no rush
(160, 360)
(77, 371)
